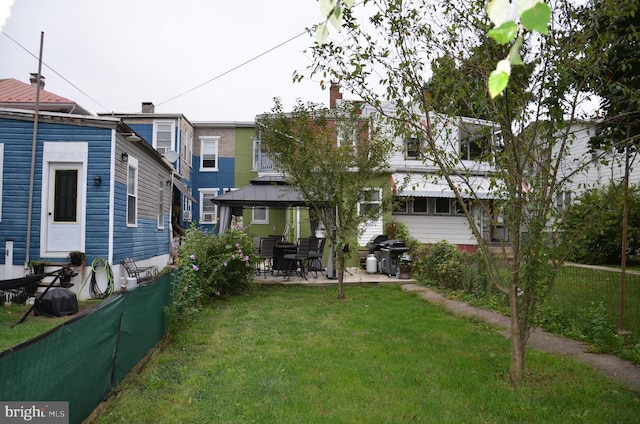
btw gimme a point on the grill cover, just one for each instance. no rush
(56, 303)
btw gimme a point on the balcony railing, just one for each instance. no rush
(263, 162)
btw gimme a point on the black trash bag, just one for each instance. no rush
(56, 303)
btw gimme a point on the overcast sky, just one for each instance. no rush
(122, 53)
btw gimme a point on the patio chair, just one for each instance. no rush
(298, 259)
(141, 274)
(265, 254)
(315, 262)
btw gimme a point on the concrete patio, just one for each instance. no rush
(353, 276)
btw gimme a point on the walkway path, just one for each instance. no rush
(610, 365)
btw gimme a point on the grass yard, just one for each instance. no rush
(299, 355)
(33, 325)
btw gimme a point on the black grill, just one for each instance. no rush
(390, 251)
(375, 243)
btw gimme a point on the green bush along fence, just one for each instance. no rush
(81, 360)
(591, 295)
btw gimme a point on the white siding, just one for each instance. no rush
(371, 230)
(433, 229)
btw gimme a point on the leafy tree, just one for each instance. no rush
(386, 54)
(601, 243)
(610, 68)
(332, 156)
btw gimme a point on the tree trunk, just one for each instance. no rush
(340, 264)
(517, 337)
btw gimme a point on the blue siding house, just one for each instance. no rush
(95, 187)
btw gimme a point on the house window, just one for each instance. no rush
(65, 207)
(209, 153)
(163, 136)
(161, 205)
(413, 147)
(372, 199)
(208, 210)
(187, 206)
(420, 205)
(458, 207)
(563, 200)
(132, 192)
(443, 206)
(260, 215)
(401, 206)
(189, 145)
(346, 134)
(476, 141)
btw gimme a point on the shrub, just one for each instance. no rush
(210, 266)
(445, 265)
(601, 243)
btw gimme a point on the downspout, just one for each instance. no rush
(33, 157)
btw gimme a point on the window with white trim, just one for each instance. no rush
(209, 153)
(346, 134)
(443, 206)
(371, 199)
(189, 154)
(457, 207)
(163, 136)
(413, 147)
(187, 206)
(259, 215)
(563, 200)
(420, 205)
(161, 205)
(208, 209)
(132, 192)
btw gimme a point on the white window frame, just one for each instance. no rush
(172, 145)
(132, 191)
(427, 204)
(435, 206)
(345, 133)
(189, 157)
(215, 140)
(364, 201)
(204, 195)
(161, 205)
(414, 140)
(187, 206)
(255, 219)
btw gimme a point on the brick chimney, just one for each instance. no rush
(33, 79)
(148, 107)
(334, 95)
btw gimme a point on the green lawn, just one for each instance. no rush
(32, 326)
(299, 355)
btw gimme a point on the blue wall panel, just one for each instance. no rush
(16, 135)
(140, 242)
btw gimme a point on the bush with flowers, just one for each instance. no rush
(209, 266)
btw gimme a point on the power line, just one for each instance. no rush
(181, 94)
(234, 68)
(55, 72)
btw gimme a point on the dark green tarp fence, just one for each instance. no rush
(81, 360)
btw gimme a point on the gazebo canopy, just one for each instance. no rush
(270, 191)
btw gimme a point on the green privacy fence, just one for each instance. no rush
(81, 360)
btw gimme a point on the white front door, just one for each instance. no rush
(64, 211)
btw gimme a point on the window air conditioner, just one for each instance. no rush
(207, 217)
